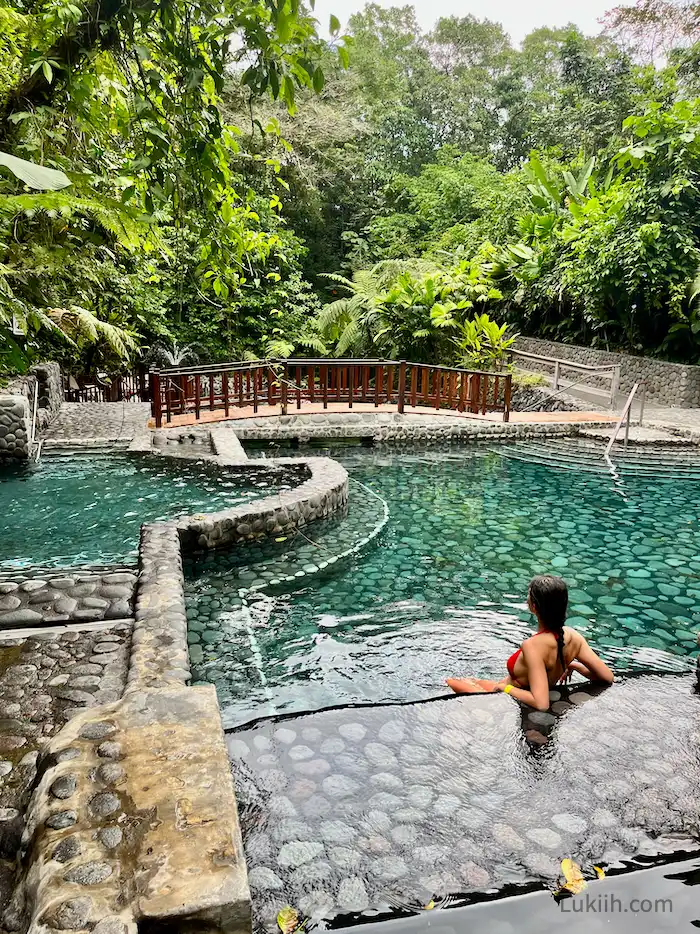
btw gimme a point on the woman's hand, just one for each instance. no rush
(567, 676)
(574, 667)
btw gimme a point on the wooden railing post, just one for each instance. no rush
(402, 386)
(156, 410)
(283, 390)
(506, 397)
(143, 396)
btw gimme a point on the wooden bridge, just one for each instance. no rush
(183, 394)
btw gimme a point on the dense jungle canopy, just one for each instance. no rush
(213, 178)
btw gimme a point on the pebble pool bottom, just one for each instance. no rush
(441, 591)
(88, 508)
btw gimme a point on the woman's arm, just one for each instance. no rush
(598, 670)
(538, 694)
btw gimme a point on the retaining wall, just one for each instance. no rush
(133, 822)
(667, 383)
(16, 406)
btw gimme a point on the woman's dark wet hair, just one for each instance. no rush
(550, 597)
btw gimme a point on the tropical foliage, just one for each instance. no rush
(213, 177)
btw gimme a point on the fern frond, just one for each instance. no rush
(349, 339)
(332, 314)
(125, 227)
(78, 325)
(336, 277)
(314, 342)
(279, 348)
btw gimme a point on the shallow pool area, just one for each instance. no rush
(357, 813)
(89, 507)
(441, 589)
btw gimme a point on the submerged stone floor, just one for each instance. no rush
(103, 421)
(375, 808)
(45, 679)
(36, 596)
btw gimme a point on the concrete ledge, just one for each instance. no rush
(190, 867)
(133, 820)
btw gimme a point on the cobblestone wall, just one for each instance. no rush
(14, 427)
(667, 383)
(16, 405)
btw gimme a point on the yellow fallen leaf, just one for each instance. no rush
(599, 872)
(288, 920)
(429, 906)
(575, 883)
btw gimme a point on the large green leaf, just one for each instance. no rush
(33, 175)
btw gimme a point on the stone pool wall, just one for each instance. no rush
(667, 383)
(132, 818)
(15, 417)
(391, 426)
(16, 406)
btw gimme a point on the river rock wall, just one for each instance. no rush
(667, 383)
(16, 406)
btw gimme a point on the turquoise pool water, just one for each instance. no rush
(89, 508)
(441, 591)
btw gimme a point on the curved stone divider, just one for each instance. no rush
(302, 575)
(387, 426)
(323, 491)
(159, 648)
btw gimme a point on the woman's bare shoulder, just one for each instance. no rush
(574, 636)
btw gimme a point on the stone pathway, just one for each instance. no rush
(638, 434)
(36, 596)
(374, 807)
(101, 421)
(668, 417)
(364, 410)
(44, 680)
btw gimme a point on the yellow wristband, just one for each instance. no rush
(508, 688)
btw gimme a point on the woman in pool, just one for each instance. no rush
(549, 657)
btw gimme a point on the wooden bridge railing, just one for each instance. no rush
(228, 386)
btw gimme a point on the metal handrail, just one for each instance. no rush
(34, 451)
(609, 371)
(602, 368)
(626, 414)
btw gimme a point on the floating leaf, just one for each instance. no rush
(429, 906)
(599, 872)
(288, 920)
(575, 883)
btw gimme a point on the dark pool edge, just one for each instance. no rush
(518, 904)
(589, 687)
